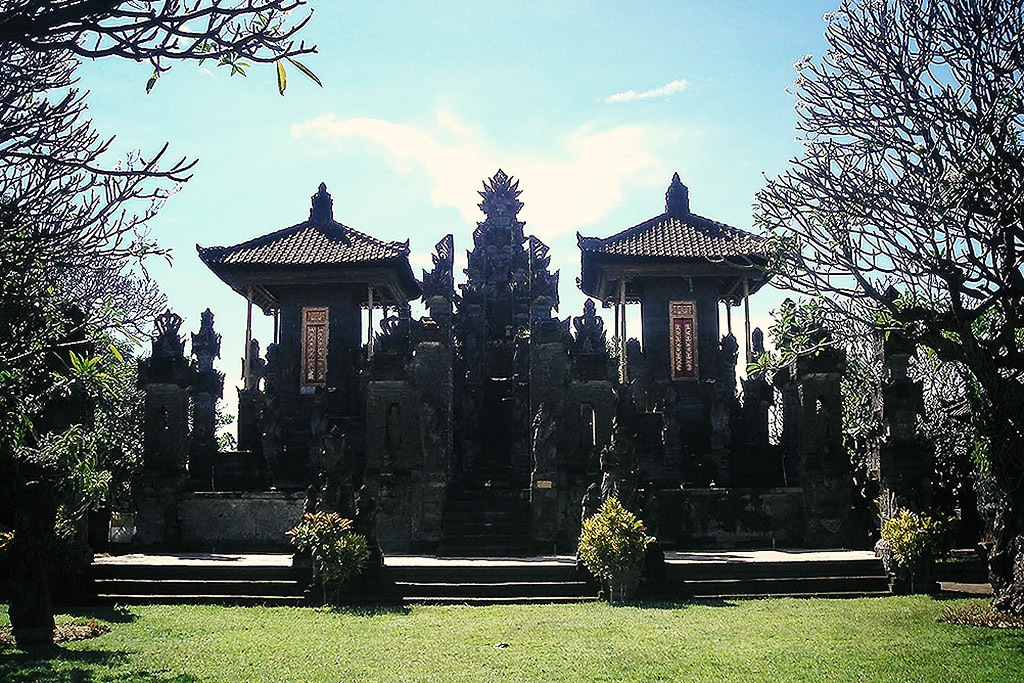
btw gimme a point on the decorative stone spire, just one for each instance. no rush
(677, 198)
(322, 210)
(206, 344)
(166, 342)
(501, 196)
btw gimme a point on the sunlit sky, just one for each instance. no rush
(591, 105)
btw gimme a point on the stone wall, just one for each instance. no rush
(223, 522)
(714, 518)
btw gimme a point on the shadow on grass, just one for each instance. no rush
(675, 604)
(112, 614)
(59, 665)
(370, 610)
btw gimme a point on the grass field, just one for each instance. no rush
(888, 639)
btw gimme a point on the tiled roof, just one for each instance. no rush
(308, 243)
(686, 236)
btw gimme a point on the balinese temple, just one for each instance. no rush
(315, 278)
(681, 268)
(491, 425)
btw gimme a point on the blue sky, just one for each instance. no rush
(591, 105)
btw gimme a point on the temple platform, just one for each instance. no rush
(273, 578)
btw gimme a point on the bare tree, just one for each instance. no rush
(909, 195)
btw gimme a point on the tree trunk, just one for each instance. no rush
(31, 611)
(1006, 559)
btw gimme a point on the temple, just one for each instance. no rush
(490, 425)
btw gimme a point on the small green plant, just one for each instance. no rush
(909, 537)
(612, 546)
(339, 553)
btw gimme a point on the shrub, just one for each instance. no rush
(909, 537)
(339, 553)
(612, 545)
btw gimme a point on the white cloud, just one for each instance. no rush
(664, 91)
(576, 184)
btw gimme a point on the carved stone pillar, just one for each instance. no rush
(165, 377)
(250, 402)
(905, 462)
(208, 389)
(827, 476)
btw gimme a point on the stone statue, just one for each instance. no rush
(544, 445)
(619, 466)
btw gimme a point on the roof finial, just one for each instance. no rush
(322, 210)
(677, 198)
(500, 196)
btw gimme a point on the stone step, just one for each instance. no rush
(692, 571)
(826, 585)
(211, 599)
(484, 572)
(193, 572)
(482, 602)
(487, 525)
(497, 590)
(453, 548)
(198, 587)
(487, 505)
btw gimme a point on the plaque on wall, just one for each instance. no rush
(682, 317)
(314, 347)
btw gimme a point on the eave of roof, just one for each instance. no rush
(319, 249)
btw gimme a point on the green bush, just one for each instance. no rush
(338, 552)
(612, 544)
(910, 537)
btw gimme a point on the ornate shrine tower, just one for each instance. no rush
(508, 288)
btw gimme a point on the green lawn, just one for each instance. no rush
(889, 639)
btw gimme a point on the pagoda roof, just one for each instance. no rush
(676, 243)
(317, 250)
(668, 236)
(306, 244)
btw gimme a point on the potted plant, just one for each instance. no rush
(907, 542)
(611, 547)
(338, 552)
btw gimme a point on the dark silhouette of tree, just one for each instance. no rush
(74, 236)
(908, 197)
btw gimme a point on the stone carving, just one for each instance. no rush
(545, 448)
(619, 466)
(209, 387)
(206, 343)
(166, 342)
(501, 196)
(439, 282)
(590, 334)
(756, 343)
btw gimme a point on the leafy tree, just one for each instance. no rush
(907, 197)
(73, 237)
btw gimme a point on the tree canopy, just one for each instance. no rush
(74, 239)
(907, 198)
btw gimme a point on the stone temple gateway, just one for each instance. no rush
(490, 425)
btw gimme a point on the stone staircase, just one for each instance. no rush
(836, 577)
(487, 522)
(271, 580)
(208, 579)
(488, 581)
